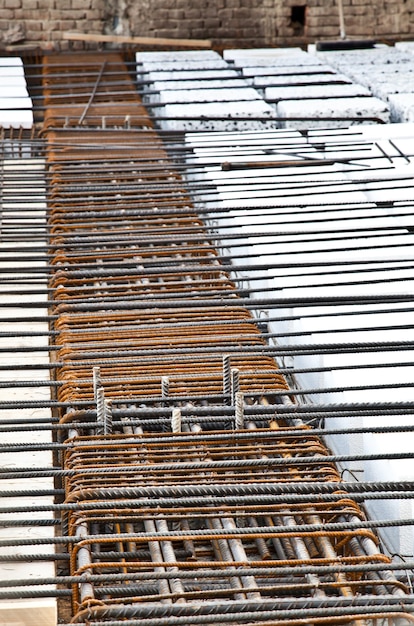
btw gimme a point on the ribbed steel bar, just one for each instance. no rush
(167, 440)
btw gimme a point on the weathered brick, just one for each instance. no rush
(44, 4)
(34, 16)
(67, 24)
(6, 14)
(12, 4)
(63, 5)
(176, 14)
(35, 25)
(81, 4)
(93, 14)
(237, 22)
(212, 22)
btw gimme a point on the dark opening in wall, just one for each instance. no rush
(298, 19)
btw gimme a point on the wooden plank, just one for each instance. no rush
(147, 41)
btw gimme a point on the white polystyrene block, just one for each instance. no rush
(208, 95)
(233, 53)
(301, 79)
(189, 75)
(17, 173)
(183, 64)
(342, 108)
(277, 70)
(402, 107)
(16, 119)
(385, 90)
(177, 55)
(213, 111)
(286, 60)
(407, 46)
(329, 91)
(7, 79)
(11, 61)
(15, 103)
(372, 56)
(13, 90)
(383, 81)
(400, 133)
(196, 85)
(381, 71)
(14, 96)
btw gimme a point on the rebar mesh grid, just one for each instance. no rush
(191, 486)
(206, 563)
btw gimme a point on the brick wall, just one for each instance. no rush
(43, 21)
(226, 22)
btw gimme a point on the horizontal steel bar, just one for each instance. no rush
(206, 506)
(231, 436)
(211, 534)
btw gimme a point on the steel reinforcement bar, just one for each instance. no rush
(162, 561)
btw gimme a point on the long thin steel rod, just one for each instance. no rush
(251, 349)
(265, 335)
(211, 534)
(198, 358)
(208, 189)
(16, 232)
(341, 408)
(15, 426)
(260, 504)
(204, 236)
(207, 573)
(280, 370)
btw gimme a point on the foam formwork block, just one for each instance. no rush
(329, 91)
(218, 116)
(343, 108)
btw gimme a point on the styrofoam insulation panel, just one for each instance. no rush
(191, 75)
(12, 102)
(379, 77)
(10, 118)
(285, 60)
(381, 72)
(295, 79)
(407, 46)
(233, 53)
(178, 55)
(384, 83)
(211, 96)
(169, 66)
(15, 104)
(215, 83)
(13, 66)
(276, 94)
(276, 70)
(372, 56)
(10, 91)
(385, 90)
(341, 108)
(211, 110)
(25, 612)
(402, 107)
(9, 80)
(286, 283)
